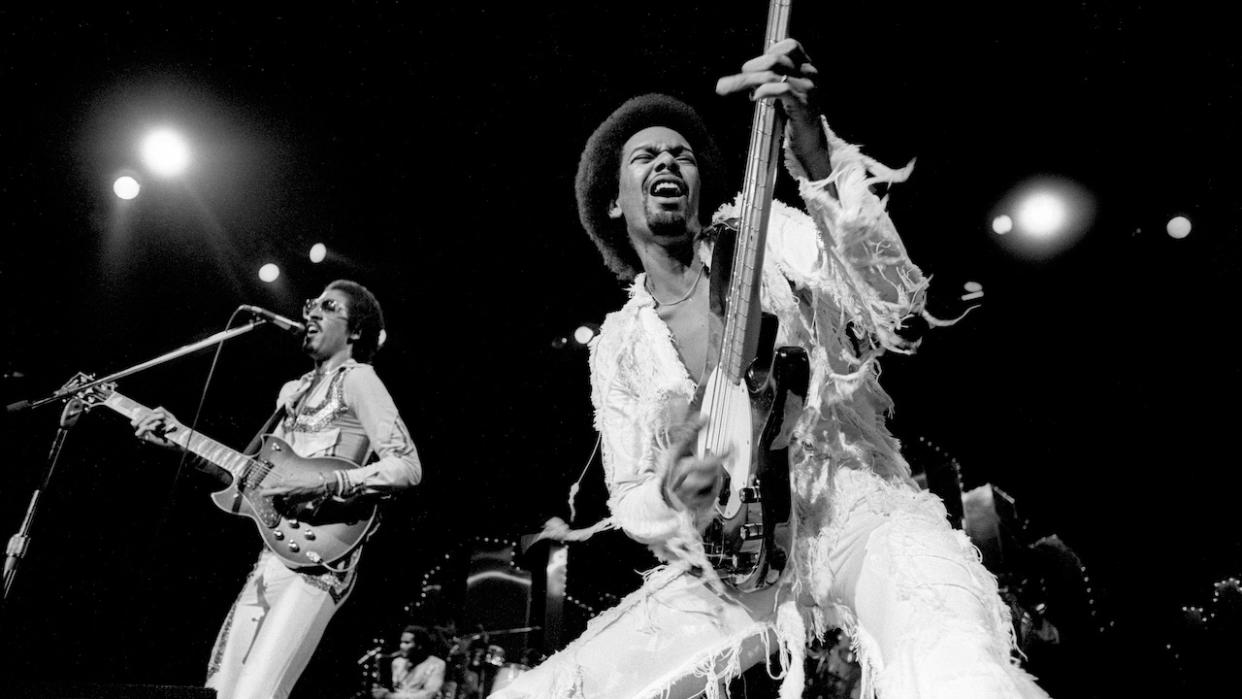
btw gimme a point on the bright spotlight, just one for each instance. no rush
(126, 187)
(579, 338)
(1178, 227)
(1042, 214)
(318, 252)
(974, 290)
(165, 152)
(269, 273)
(1048, 215)
(583, 334)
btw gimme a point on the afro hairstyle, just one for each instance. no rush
(599, 170)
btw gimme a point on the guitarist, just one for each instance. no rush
(339, 409)
(871, 553)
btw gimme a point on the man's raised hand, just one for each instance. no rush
(784, 72)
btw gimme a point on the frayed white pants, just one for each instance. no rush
(270, 634)
(924, 614)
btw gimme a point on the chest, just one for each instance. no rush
(321, 403)
(412, 677)
(694, 331)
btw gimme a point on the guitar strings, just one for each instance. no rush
(741, 282)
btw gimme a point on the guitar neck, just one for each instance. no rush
(741, 329)
(226, 458)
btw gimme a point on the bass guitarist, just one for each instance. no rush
(869, 552)
(340, 409)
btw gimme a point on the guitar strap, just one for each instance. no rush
(724, 239)
(257, 441)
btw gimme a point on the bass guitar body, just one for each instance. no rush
(749, 540)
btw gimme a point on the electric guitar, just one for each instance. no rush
(753, 387)
(305, 535)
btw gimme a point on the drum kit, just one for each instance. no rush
(476, 667)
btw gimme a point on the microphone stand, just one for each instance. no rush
(20, 542)
(72, 388)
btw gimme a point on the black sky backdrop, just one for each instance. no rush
(433, 148)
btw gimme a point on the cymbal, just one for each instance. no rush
(522, 629)
(501, 632)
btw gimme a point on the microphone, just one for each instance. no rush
(275, 319)
(369, 654)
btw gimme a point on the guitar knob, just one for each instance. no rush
(280, 536)
(314, 557)
(293, 524)
(275, 447)
(310, 535)
(293, 546)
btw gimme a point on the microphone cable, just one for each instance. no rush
(161, 522)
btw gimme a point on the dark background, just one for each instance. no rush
(432, 149)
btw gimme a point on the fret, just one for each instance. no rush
(767, 127)
(741, 322)
(194, 442)
(211, 450)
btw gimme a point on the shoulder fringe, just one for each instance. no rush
(556, 529)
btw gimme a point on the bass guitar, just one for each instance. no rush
(754, 389)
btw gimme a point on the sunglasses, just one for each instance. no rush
(327, 305)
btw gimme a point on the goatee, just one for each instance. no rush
(667, 225)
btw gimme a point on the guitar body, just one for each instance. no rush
(306, 535)
(749, 541)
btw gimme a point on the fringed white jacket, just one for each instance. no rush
(842, 286)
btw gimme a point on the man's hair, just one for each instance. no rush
(365, 317)
(424, 643)
(599, 170)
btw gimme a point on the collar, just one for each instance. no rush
(347, 364)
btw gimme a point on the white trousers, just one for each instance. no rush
(270, 634)
(924, 614)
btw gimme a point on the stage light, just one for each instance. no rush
(165, 152)
(1042, 214)
(126, 187)
(974, 290)
(585, 333)
(269, 273)
(1046, 215)
(318, 252)
(579, 338)
(1178, 227)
